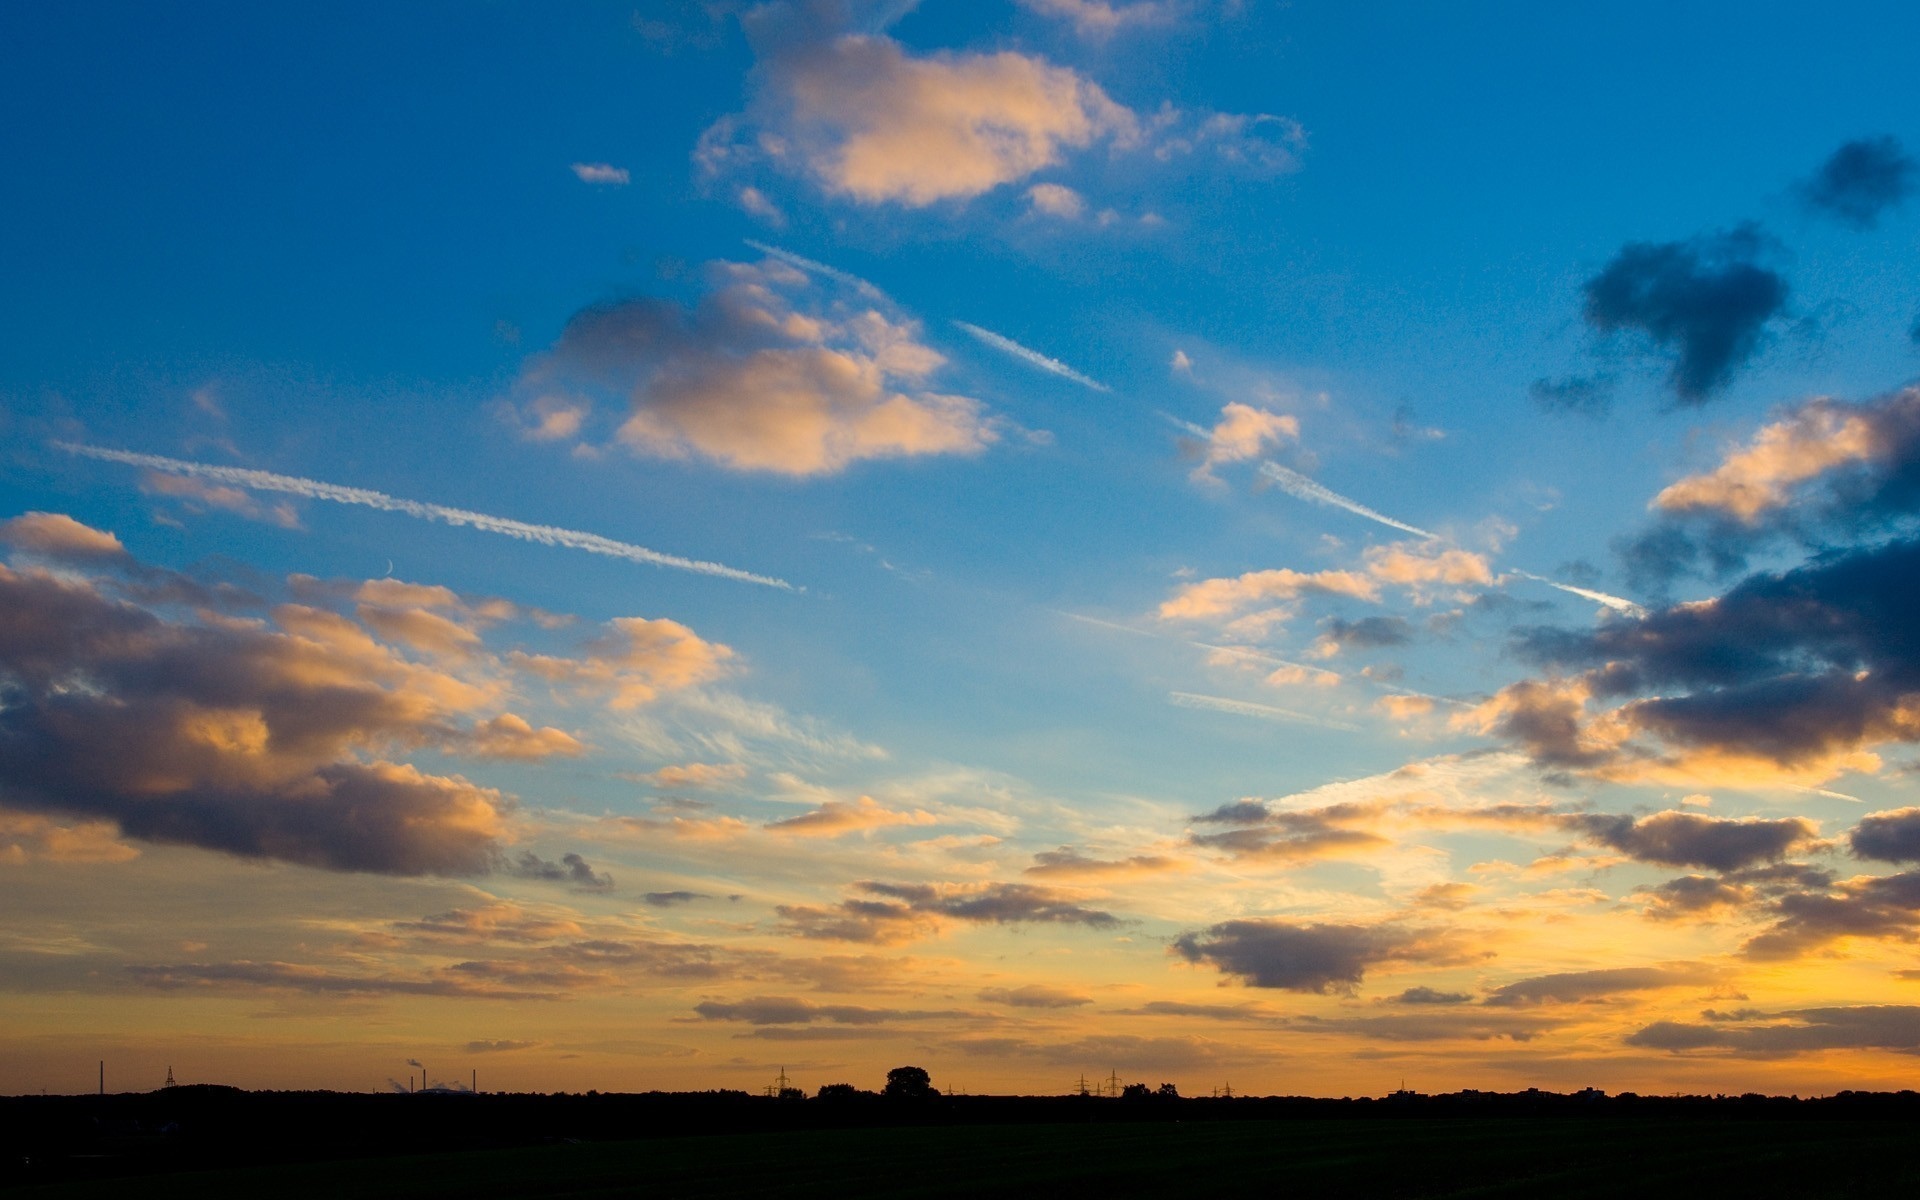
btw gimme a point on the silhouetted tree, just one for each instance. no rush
(1136, 1091)
(838, 1091)
(1168, 1092)
(909, 1083)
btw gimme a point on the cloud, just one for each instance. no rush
(571, 869)
(1581, 987)
(1423, 566)
(883, 913)
(1860, 181)
(1427, 995)
(1801, 671)
(1210, 598)
(605, 173)
(265, 738)
(1367, 633)
(1035, 995)
(1589, 397)
(1893, 1027)
(1436, 1025)
(669, 899)
(58, 536)
(1888, 836)
(548, 535)
(1301, 488)
(248, 976)
(1682, 839)
(1068, 863)
(698, 775)
(25, 838)
(499, 1046)
(1705, 303)
(1101, 19)
(869, 122)
(510, 736)
(837, 817)
(783, 1010)
(1821, 472)
(1056, 200)
(761, 376)
(1762, 476)
(634, 662)
(1870, 906)
(1320, 958)
(232, 736)
(1032, 358)
(199, 496)
(1242, 433)
(1331, 831)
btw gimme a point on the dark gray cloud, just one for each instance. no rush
(785, 1010)
(1888, 836)
(571, 869)
(1861, 180)
(1438, 1026)
(1210, 1012)
(906, 910)
(1586, 396)
(1368, 632)
(1240, 812)
(1797, 1031)
(1683, 839)
(1874, 906)
(294, 977)
(1577, 987)
(1703, 303)
(1791, 668)
(232, 736)
(1285, 836)
(1300, 958)
(1693, 897)
(669, 899)
(1427, 995)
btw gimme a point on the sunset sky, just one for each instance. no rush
(1304, 545)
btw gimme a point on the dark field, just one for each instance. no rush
(1412, 1157)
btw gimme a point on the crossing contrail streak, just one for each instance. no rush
(312, 489)
(1032, 358)
(816, 268)
(1300, 487)
(1616, 603)
(1247, 708)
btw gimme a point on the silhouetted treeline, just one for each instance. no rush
(54, 1137)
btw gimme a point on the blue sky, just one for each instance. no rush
(1558, 292)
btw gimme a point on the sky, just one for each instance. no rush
(1302, 546)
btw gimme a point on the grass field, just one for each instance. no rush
(1372, 1158)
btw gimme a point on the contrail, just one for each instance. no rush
(548, 535)
(1247, 708)
(1032, 358)
(1299, 486)
(816, 268)
(1616, 603)
(1831, 795)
